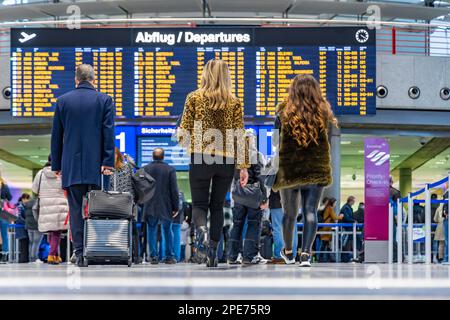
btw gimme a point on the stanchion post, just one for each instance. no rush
(448, 209)
(391, 235)
(336, 236)
(11, 243)
(399, 231)
(427, 225)
(354, 240)
(68, 253)
(410, 229)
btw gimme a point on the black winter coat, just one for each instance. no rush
(166, 198)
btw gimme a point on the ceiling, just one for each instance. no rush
(35, 10)
(34, 148)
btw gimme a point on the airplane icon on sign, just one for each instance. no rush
(26, 37)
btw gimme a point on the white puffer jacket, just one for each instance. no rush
(53, 204)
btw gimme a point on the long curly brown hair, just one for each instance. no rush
(306, 112)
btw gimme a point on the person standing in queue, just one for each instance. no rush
(304, 168)
(212, 128)
(82, 145)
(162, 208)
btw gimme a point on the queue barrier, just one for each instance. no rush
(337, 234)
(13, 242)
(410, 201)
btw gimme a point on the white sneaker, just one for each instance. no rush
(288, 258)
(38, 261)
(260, 259)
(305, 260)
(239, 258)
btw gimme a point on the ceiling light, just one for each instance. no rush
(440, 162)
(345, 142)
(361, 151)
(395, 156)
(24, 140)
(34, 157)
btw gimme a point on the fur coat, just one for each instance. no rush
(299, 166)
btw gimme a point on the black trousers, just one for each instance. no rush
(209, 185)
(291, 199)
(75, 196)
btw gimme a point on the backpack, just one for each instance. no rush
(144, 186)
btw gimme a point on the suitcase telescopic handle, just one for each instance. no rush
(103, 179)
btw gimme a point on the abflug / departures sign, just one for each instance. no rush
(232, 36)
(189, 37)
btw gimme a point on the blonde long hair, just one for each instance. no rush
(216, 84)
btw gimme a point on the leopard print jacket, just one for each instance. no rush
(198, 118)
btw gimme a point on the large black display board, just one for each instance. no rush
(149, 72)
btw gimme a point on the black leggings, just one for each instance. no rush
(207, 195)
(291, 199)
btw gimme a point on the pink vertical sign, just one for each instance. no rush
(376, 189)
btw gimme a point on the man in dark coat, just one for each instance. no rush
(82, 145)
(163, 207)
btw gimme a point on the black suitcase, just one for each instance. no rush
(108, 241)
(108, 237)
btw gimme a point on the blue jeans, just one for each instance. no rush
(252, 236)
(166, 234)
(276, 215)
(4, 232)
(446, 240)
(176, 230)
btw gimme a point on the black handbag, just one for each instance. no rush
(110, 204)
(144, 186)
(249, 196)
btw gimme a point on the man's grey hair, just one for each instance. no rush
(85, 72)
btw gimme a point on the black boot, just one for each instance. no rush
(201, 244)
(211, 259)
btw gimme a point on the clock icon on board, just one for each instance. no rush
(362, 35)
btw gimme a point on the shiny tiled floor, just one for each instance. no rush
(326, 281)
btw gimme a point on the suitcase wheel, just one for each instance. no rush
(130, 262)
(85, 262)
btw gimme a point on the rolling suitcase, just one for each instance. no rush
(108, 237)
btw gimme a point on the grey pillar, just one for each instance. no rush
(334, 190)
(405, 176)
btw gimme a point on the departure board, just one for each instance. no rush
(149, 72)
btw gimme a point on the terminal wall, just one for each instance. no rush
(400, 72)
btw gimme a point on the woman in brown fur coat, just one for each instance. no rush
(304, 170)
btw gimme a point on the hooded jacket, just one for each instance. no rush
(300, 166)
(52, 202)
